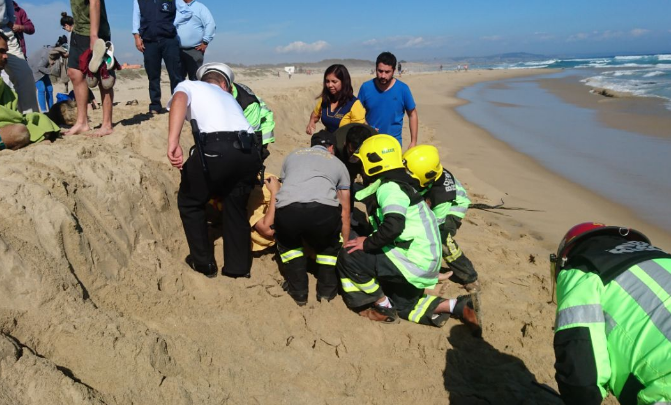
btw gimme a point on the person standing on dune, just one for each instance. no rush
(386, 100)
(90, 18)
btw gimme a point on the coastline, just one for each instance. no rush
(643, 115)
(495, 169)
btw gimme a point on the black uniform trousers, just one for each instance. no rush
(319, 226)
(461, 266)
(231, 176)
(368, 276)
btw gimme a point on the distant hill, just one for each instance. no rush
(501, 57)
(350, 63)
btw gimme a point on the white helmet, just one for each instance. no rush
(217, 67)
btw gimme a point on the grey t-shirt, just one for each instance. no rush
(312, 175)
(39, 63)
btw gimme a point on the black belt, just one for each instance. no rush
(221, 136)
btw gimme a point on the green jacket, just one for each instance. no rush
(259, 116)
(613, 326)
(38, 124)
(416, 252)
(447, 197)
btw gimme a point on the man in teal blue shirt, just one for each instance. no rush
(195, 28)
(386, 99)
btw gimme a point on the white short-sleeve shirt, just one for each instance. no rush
(213, 109)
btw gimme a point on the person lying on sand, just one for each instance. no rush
(14, 125)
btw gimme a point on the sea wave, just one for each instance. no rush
(630, 57)
(655, 73)
(545, 62)
(664, 57)
(623, 72)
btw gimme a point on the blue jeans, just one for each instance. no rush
(45, 93)
(166, 49)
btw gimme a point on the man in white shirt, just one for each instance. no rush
(225, 162)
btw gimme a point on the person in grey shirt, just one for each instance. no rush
(312, 206)
(40, 63)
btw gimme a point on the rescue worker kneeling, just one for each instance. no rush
(449, 203)
(312, 207)
(225, 163)
(613, 326)
(384, 275)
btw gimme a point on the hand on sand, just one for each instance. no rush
(355, 244)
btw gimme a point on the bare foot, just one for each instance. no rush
(102, 131)
(77, 129)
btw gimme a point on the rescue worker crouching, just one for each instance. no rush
(312, 207)
(449, 202)
(225, 162)
(613, 325)
(384, 275)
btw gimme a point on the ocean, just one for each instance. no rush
(640, 75)
(628, 168)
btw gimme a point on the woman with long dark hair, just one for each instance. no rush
(337, 105)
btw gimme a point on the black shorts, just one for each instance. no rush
(78, 45)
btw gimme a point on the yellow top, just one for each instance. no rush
(257, 206)
(352, 112)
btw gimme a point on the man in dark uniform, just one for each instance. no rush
(231, 154)
(156, 37)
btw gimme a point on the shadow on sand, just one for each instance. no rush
(136, 119)
(478, 374)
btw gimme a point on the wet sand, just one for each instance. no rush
(643, 115)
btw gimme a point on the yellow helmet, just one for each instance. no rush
(423, 163)
(380, 153)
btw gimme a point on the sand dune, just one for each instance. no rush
(98, 307)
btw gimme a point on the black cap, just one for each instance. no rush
(323, 138)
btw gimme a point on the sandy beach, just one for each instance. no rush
(98, 307)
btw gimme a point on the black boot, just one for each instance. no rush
(208, 270)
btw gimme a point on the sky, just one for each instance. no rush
(268, 31)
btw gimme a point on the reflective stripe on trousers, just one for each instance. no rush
(420, 308)
(451, 252)
(351, 287)
(327, 260)
(291, 254)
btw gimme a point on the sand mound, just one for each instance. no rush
(97, 305)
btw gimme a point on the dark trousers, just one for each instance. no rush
(368, 276)
(231, 176)
(191, 59)
(319, 226)
(167, 50)
(461, 266)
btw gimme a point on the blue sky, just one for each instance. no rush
(264, 31)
